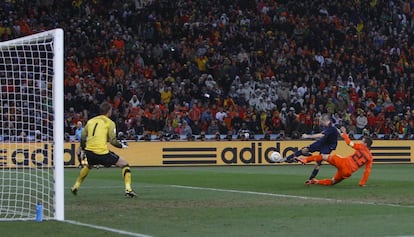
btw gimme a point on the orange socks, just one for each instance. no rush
(313, 158)
(327, 182)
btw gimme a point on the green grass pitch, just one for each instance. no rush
(232, 201)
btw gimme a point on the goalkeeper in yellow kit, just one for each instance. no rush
(95, 136)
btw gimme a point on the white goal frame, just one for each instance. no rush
(53, 39)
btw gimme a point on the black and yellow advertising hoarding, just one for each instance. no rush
(197, 153)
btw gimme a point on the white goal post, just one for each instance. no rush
(32, 126)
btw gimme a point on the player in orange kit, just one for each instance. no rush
(346, 166)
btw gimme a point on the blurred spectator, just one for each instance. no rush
(134, 101)
(195, 127)
(361, 122)
(186, 129)
(213, 128)
(221, 114)
(78, 131)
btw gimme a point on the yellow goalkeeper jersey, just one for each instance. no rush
(98, 132)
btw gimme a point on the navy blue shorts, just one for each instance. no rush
(322, 148)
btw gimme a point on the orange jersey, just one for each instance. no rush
(362, 156)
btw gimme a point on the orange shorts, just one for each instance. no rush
(343, 166)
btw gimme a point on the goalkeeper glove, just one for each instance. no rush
(82, 158)
(81, 155)
(124, 144)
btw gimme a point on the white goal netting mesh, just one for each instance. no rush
(27, 170)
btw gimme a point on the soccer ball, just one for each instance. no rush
(275, 157)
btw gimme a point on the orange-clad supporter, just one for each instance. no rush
(389, 106)
(148, 72)
(119, 73)
(302, 116)
(277, 122)
(306, 52)
(401, 94)
(215, 36)
(117, 100)
(227, 119)
(164, 109)
(353, 95)
(106, 63)
(194, 113)
(137, 66)
(109, 64)
(86, 66)
(134, 112)
(157, 112)
(242, 111)
(118, 43)
(219, 101)
(322, 84)
(337, 23)
(96, 66)
(213, 109)
(158, 26)
(309, 119)
(389, 127)
(78, 117)
(228, 102)
(402, 126)
(70, 81)
(348, 165)
(371, 120)
(147, 113)
(176, 111)
(184, 108)
(383, 92)
(24, 27)
(153, 124)
(269, 72)
(71, 67)
(353, 117)
(372, 92)
(370, 103)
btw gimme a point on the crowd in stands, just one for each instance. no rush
(231, 67)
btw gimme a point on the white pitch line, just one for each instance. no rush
(399, 236)
(291, 196)
(263, 194)
(121, 232)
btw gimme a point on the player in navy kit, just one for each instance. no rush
(326, 142)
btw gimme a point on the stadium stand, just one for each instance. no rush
(263, 68)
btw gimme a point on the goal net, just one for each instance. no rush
(31, 126)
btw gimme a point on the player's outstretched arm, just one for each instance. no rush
(312, 136)
(112, 138)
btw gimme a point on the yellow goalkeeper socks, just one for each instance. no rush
(126, 172)
(82, 175)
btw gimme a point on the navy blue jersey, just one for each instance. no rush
(327, 143)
